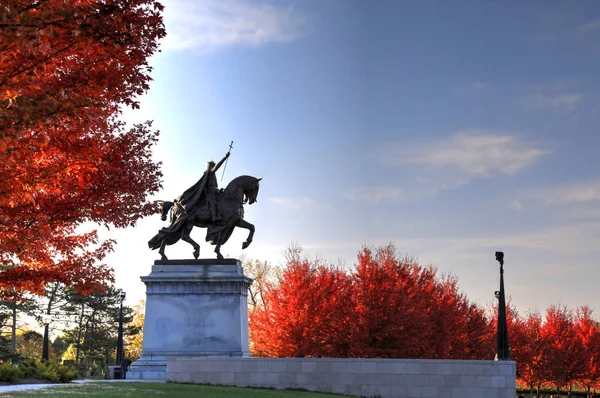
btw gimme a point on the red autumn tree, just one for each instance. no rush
(66, 68)
(386, 308)
(382, 302)
(530, 350)
(525, 345)
(306, 313)
(404, 310)
(564, 349)
(459, 329)
(588, 330)
(479, 332)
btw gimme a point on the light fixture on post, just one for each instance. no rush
(120, 359)
(502, 349)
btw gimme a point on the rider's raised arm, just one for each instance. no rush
(214, 169)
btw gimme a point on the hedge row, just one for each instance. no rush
(32, 369)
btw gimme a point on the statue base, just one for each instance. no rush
(193, 308)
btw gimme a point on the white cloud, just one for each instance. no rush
(474, 154)
(573, 238)
(578, 192)
(293, 203)
(378, 194)
(424, 187)
(584, 213)
(516, 205)
(450, 163)
(414, 189)
(472, 87)
(560, 102)
(209, 24)
(477, 85)
(589, 27)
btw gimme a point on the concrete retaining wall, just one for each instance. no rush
(403, 378)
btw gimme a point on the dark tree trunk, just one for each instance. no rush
(79, 333)
(13, 343)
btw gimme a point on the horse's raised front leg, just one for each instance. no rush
(185, 235)
(245, 224)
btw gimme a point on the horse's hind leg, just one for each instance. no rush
(161, 251)
(185, 235)
(218, 248)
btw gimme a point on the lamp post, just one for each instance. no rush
(46, 318)
(120, 360)
(502, 349)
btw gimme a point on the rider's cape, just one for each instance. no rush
(187, 200)
(191, 195)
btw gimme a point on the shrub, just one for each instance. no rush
(30, 368)
(57, 373)
(9, 373)
(50, 373)
(66, 374)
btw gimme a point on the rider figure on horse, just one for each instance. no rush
(207, 186)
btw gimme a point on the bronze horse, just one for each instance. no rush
(241, 190)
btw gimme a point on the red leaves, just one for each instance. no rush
(588, 332)
(305, 315)
(391, 307)
(558, 349)
(563, 359)
(386, 308)
(66, 66)
(385, 301)
(405, 310)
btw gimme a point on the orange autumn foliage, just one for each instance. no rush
(66, 69)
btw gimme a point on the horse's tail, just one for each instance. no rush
(165, 209)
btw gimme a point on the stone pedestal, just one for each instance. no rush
(193, 308)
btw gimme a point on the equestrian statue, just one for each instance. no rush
(204, 205)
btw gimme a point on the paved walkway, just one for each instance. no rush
(21, 387)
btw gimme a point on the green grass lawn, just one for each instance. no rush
(147, 390)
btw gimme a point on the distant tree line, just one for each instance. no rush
(82, 328)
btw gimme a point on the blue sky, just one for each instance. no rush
(450, 129)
